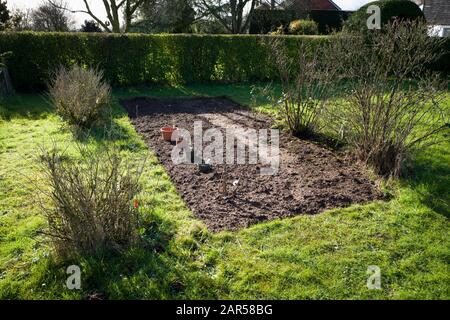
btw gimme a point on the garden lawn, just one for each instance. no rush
(324, 256)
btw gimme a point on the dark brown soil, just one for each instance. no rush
(310, 179)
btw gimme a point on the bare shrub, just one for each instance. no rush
(306, 83)
(80, 95)
(392, 103)
(88, 200)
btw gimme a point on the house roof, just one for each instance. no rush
(437, 12)
(323, 5)
(311, 4)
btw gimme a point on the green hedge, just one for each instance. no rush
(147, 59)
(141, 59)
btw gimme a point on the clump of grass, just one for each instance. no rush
(91, 200)
(80, 95)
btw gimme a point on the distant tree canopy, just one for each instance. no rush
(390, 9)
(15, 19)
(208, 26)
(234, 15)
(4, 15)
(48, 17)
(172, 16)
(90, 26)
(20, 20)
(119, 13)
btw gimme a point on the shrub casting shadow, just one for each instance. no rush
(18, 107)
(434, 179)
(154, 270)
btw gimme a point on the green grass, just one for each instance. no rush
(312, 257)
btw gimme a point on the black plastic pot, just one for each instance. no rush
(204, 167)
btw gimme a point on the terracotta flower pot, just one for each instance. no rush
(166, 132)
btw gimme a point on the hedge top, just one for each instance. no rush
(141, 58)
(134, 59)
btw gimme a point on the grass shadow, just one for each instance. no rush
(324, 140)
(430, 178)
(112, 130)
(159, 268)
(25, 106)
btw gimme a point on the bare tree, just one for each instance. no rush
(5, 15)
(51, 18)
(234, 15)
(172, 16)
(21, 20)
(115, 10)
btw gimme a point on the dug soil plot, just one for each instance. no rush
(310, 178)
